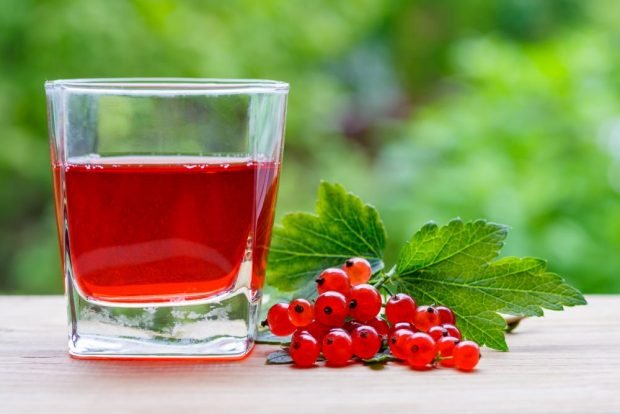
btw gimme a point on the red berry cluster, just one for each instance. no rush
(345, 322)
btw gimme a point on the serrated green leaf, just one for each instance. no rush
(449, 265)
(523, 287)
(454, 248)
(305, 244)
(485, 327)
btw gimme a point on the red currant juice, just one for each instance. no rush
(154, 229)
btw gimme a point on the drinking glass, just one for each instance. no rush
(165, 192)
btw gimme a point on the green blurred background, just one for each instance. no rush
(507, 110)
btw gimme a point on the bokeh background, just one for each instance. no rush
(506, 110)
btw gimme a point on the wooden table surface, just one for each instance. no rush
(567, 362)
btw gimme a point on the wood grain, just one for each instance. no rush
(567, 362)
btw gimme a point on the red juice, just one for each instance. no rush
(148, 229)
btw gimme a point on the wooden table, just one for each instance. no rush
(566, 362)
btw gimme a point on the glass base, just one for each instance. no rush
(222, 327)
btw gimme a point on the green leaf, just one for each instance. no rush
(305, 244)
(380, 358)
(455, 248)
(280, 357)
(450, 266)
(265, 337)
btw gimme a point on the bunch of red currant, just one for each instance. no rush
(344, 322)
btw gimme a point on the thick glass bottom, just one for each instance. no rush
(223, 327)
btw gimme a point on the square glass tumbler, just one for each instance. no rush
(165, 192)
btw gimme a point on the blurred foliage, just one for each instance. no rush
(505, 110)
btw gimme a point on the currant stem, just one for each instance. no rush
(384, 278)
(388, 290)
(512, 322)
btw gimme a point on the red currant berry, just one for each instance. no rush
(337, 347)
(364, 302)
(277, 319)
(426, 318)
(380, 325)
(330, 309)
(402, 325)
(437, 332)
(317, 330)
(333, 280)
(445, 350)
(445, 315)
(300, 312)
(304, 350)
(358, 269)
(398, 343)
(400, 308)
(298, 332)
(453, 331)
(366, 341)
(466, 355)
(350, 326)
(421, 350)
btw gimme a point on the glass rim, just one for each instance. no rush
(169, 85)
